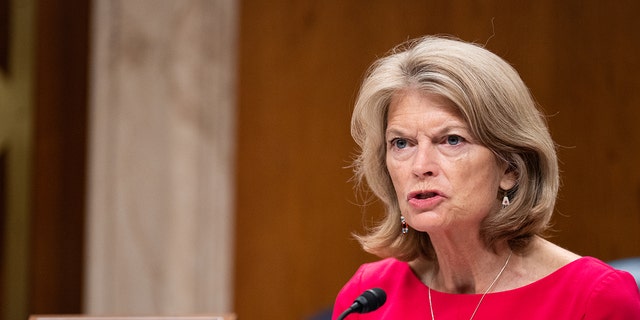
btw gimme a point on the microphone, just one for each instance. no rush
(368, 301)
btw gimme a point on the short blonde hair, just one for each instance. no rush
(501, 114)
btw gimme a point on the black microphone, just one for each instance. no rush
(368, 301)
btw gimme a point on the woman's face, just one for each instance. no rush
(444, 179)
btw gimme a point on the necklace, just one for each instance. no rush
(484, 294)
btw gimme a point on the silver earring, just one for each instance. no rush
(403, 222)
(505, 201)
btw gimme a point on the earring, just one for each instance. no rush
(505, 201)
(403, 222)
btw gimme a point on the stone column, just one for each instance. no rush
(160, 223)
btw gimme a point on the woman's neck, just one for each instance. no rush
(462, 266)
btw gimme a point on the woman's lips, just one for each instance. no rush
(424, 200)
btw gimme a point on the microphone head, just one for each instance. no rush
(370, 300)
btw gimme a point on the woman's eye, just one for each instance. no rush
(454, 140)
(399, 143)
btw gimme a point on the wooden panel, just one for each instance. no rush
(5, 22)
(594, 98)
(3, 227)
(58, 207)
(300, 66)
(16, 103)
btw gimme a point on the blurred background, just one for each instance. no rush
(163, 157)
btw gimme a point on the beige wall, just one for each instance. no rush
(160, 217)
(16, 105)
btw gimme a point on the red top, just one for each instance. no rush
(584, 289)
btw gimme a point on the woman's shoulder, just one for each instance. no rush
(591, 276)
(589, 268)
(544, 258)
(609, 293)
(393, 276)
(388, 274)
(555, 258)
(550, 264)
(382, 270)
(600, 276)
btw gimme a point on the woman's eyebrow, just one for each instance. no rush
(393, 131)
(450, 128)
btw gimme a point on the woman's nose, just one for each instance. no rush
(425, 162)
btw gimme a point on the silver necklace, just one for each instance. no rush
(484, 294)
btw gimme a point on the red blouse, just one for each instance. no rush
(584, 289)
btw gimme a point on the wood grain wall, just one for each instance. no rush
(59, 157)
(300, 67)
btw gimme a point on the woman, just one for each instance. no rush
(452, 143)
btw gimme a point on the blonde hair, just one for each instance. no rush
(501, 114)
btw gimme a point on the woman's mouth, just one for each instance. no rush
(424, 200)
(422, 195)
(425, 195)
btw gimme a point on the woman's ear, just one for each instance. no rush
(509, 178)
